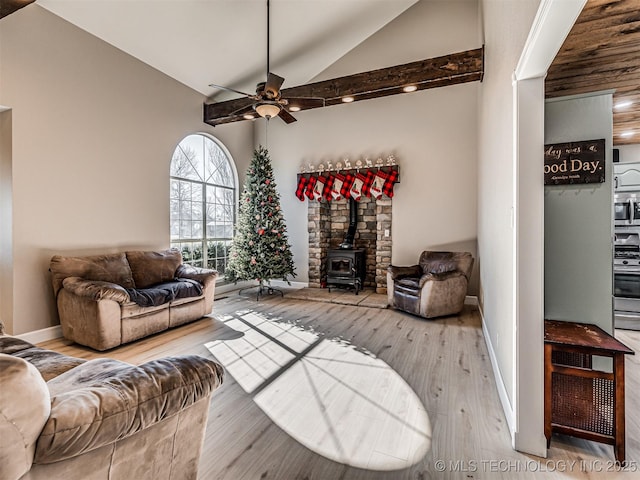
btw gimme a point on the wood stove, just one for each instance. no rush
(346, 267)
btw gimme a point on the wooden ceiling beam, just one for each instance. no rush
(451, 69)
(7, 7)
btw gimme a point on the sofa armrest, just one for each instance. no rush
(401, 272)
(96, 290)
(103, 401)
(202, 275)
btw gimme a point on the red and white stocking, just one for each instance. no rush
(366, 184)
(336, 187)
(377, 185)
(302, 188)
(355, 191)
(392, 176)
(319, 188)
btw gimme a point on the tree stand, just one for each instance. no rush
(262, 289)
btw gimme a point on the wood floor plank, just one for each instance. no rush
(444, 361)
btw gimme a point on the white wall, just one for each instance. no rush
(93, 134)
(432, 133)
(506, 25)
(578, 225)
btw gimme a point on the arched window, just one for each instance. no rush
(203, 201)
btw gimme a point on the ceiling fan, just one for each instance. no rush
(268, 102)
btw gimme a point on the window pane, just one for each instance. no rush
(202, 195)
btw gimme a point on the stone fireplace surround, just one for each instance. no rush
(327, 225)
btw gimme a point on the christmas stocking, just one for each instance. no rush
(355, 191)
(378, 184)
(392, 176)
(336, 188)
(326, 193)
(368, 181)
(319, 187)
(311, 183)
(302, 187)
(345, 191)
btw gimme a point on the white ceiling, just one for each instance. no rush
(199, 42)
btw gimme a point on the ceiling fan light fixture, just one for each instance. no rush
(348, 99)
(267, 110)
(294, 108)
(410, 88)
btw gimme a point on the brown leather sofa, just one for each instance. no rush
(67, 418)
(94, 295)
(435, 287)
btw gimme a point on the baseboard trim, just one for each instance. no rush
(282, 283)
(502, 390)
(37, 336)
(471, 300)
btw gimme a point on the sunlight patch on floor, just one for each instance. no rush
(338, 400)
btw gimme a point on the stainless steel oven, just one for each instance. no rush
(626, 279)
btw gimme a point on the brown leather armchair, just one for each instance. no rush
(437, 286)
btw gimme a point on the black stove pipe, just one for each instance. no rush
(349, 238)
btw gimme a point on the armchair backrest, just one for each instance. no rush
(442, 262)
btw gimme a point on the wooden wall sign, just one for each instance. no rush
(574, 162)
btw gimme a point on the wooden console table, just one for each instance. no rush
(579, 400)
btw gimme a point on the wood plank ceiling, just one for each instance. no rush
(602, 52)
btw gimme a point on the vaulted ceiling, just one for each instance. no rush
(199, 42)
(602, 52)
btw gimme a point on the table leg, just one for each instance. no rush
(618, 372)
(548, 371)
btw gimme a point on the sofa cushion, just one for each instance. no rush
(149, 268)
(24, 408)
(112, 268)
(106, 400)
(50, 364)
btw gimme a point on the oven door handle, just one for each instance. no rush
(627, 271)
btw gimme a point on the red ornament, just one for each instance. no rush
(267, 181)
(261, 231)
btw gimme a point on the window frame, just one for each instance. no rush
(204, 240)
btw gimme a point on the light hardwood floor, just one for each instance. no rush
(444, 361)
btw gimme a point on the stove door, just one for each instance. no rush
(626, 283)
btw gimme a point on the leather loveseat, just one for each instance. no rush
(435, 287)
(67, 418)
(106, 300)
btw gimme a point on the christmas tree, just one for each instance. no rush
(260, 248)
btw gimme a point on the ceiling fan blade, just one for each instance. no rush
(286, 116)
(306, 102)
(272, 87)
(231, 90)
